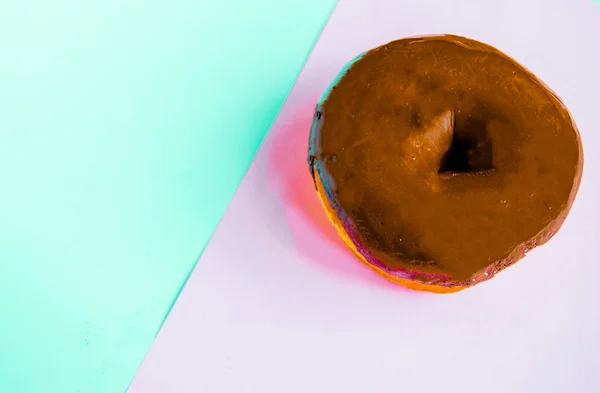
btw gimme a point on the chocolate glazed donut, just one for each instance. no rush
(442, 161)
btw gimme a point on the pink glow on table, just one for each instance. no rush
(288, 174)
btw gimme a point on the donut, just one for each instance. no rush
(441, 161)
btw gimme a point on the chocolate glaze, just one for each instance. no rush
(445, 159)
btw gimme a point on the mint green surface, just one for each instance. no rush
(125, 128)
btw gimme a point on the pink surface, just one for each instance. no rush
(276, 304)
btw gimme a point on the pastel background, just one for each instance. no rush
(125, 128)
(277, 304)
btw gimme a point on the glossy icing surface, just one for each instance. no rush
(444, 159)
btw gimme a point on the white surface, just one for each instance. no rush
(274, 307)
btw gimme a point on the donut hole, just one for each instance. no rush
(471, 149)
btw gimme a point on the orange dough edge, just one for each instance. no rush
(417, 286)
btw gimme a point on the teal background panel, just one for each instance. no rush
(125, 128)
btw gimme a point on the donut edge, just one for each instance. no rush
(336, 222)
